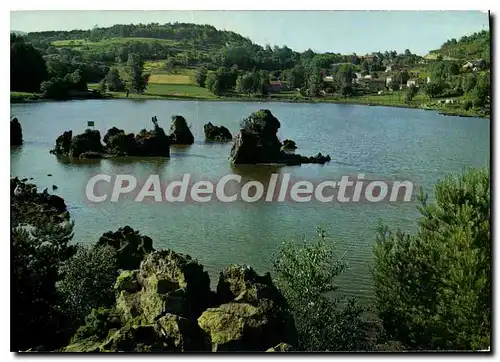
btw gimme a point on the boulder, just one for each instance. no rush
(121, 144)
(63, 144)
(88, 141)
(254, 315)
(257, 142)
(111, 132)
(242, 283)
(167, 305)
(156, 309)
(27, 202)
(289, 145)
(179, 131)
(182, 278)
(153, 143)
(16, 133)
(130, 246)
(216, 133)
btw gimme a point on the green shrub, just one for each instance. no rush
(467, 104)
(306, 276)
(433, 288)
(88, 280)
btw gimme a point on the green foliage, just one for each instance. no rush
(482, 91)
(27, 67)
(295, 77)
(114, 81)
(201, 77)
(314, 81)
(433, 88)
(138, 81)
(102, 86)
(306, 276)
(474, 46)
(245, 83)
(467, 104)
(39, 246)
(97, 324)
(411, 92)
(213, 84)
(88, 279)
(433, 288)
(62, 88)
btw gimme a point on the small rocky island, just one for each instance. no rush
(180, 134)
(154, 143)
(217, 133)
(257, 142)
(16, 133)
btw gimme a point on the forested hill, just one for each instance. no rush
(192, 34)
(472, 47)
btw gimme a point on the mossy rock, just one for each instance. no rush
(237, 327)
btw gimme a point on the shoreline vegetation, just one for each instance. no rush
(382, 100)
(202, 63)
(122, 294)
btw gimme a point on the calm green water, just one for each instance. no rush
(389, 143)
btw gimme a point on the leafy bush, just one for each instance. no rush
(433, 288)
(306, 276)
(88, 279)
(39, 246)
(467, 104)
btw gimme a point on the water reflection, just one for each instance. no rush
(77, 162)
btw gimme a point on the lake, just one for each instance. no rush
(388, 143)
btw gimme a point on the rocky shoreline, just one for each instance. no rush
(163, 299)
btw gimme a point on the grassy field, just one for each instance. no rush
(170, 79)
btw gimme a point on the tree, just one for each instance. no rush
(40, 244)
(365, 66)
(433, 288)
(407, 53)
(245, 83)
(482, 91)
(306, 275)
(201, 76)
(138, 81)
(27, 67)
(61, 88)
(102, 86)
(411, 92)
(114, 81)
(263, 82)
(87, 283)
(213, 83)
(433, 89)
(295, 77)
(314, 81)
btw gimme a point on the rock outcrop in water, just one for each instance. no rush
(154, 143)
(257, 142)
(28, 202)
(180, 134)
(217, 133)
(167, 305)
(16, 133)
